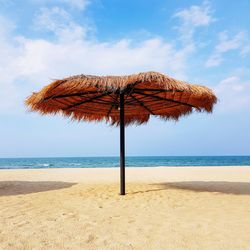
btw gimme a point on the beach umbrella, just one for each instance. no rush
(122, 100)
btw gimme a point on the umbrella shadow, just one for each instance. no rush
(223, 187)
(8, 188)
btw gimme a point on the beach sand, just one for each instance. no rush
(165, 208)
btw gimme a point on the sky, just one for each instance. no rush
(204, 42)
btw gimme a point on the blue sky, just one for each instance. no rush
(205, 42)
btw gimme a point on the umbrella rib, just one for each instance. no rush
(110, 94)
(71, 95)
(85, 101)
(166, 99)
(103, 102)
(142, 104)
(98, 102)
(113, 105)
(128, 102)
(159, 106)
(130, 89)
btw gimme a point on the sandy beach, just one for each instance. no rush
(165, 208)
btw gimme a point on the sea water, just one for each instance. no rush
(131, 161)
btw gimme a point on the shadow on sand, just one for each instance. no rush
(8, 188)
(223, 187)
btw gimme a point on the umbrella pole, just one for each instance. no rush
(122, 146)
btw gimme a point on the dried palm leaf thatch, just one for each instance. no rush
(96, 98)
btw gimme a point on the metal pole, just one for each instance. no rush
(122, 146)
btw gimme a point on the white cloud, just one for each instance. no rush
(225, 44)
(233, 94)
(80, 4)
(245, 50)
(192, 18)
(8, 90)
(60, 22)
(77, 4)
(41, 58)
(214, 60)
(31, 63)
(53, 19)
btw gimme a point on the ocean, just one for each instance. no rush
(131, 161)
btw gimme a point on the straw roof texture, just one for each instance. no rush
(96, 98)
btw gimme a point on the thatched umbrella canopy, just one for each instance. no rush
(122, 100)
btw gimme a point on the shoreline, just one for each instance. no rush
(128, 167)
(182, 166)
